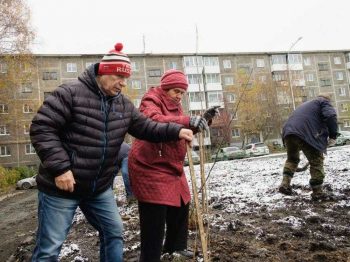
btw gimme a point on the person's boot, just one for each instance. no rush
(182, 255)
(285, 187)
(318, 193)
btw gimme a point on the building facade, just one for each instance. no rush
(214, 79)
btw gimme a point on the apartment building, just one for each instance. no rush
(214, 79)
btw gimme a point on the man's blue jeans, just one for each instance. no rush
(55, 217)
(125, 175)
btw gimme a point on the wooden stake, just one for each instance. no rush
(197, 207)
(203, 183)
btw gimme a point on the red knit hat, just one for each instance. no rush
(173, 79)
(115, 63)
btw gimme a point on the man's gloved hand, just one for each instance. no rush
(199, 123)
(331, 142)
(211, 112)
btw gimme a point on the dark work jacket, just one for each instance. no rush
(313, 121)
(80, 129)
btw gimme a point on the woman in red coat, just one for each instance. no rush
(156, 172)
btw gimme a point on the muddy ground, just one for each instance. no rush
(263, 235)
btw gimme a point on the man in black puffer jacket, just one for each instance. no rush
(77, 134)
(311, 128)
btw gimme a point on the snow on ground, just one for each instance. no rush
(246, 185)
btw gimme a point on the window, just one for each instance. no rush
(4, 130)
(26, 128)
(269, 130)
(4, 151)
(346, 123)
(137, 102)
(235, 132)
(231, 98)
(196, 97)
(226, 63)
(339, 76)
(3, 68)
(307, 61)
(135, 66)
(193, 61)
(29, 149)
(342, 91)
(337, 60)
(49, 75)
(4, 109)
(214, 97)
(71, 67)
(344, 107)
(294, 59)
(323, 67)
(260, 63)
(212, 78)
(234, 116)
(46, 94)
(244, 68)
(312, 93)
(26, 67)
(262, 79)
(228, 80)
(28, 108)
(325, 82)
(279, 76)
(195, 79)
(27, 87)
(279, 59)
(135, 84)
(173, 65)
(154, 73)
(309, 77)
(87, 64)
(210, 61)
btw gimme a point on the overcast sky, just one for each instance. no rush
(84, 26)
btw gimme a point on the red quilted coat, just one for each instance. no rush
(156, 169)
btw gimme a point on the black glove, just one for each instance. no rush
(211, 112)
(199, 123)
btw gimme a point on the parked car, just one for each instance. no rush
(195, 158)
(343, 138)
(256, 149)
(26, 183)
(229, 153)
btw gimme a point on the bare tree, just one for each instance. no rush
(16, 34)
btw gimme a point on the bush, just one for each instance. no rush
(8, 177)
(25, 171)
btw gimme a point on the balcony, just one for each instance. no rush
(212, 69)
(192, 70)
(348, 65)
(299, 82)
(284, 67)
(297, 67)
(197, 106)
(195, 88)
(278, 67)
(213, 87)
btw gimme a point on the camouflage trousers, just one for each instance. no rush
(294, 144)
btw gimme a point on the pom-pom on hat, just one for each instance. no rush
(173, 79)
(115, 63)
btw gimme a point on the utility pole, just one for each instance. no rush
(144, 44)
(288, 68)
